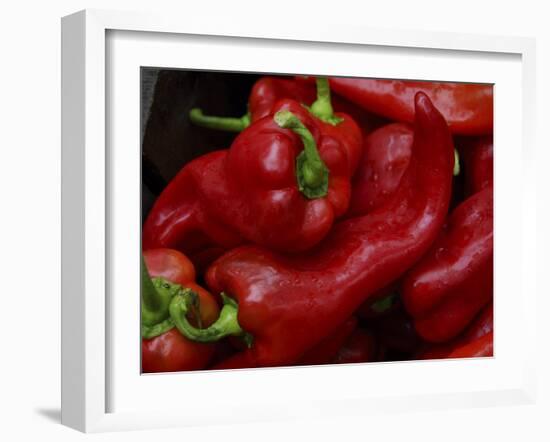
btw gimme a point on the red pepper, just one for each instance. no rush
(281, 184)
(329, 348)
(165, 348)
(481, 347)
(267, 91)
(290, 303)
(468, 108)
(477, 158)
(360, 347)
(454, 281)
(386, 155)
(481, 326)
(180, 220)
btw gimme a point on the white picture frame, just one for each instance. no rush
(87, 210)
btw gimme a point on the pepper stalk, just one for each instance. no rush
(228, 124)
(156, 295)
(322, 107)
(227, 323)
(311, 171)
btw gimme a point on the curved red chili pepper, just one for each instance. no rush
(281, 184)
(467, 108)
(289, 303)
(482, 325)
(386, 155)
(477, 159)
(450, 285)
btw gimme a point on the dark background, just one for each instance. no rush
(169, 139)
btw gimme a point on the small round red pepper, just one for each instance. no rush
(164, 348)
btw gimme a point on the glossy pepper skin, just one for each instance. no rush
(482, 325)
(258, 194)
(180, 220)
(171, 351)
(290, 303)
(477, 156)
(446, 289)
(386, 156)
(267, 91)
(283, 182)
(467, 108)
(481, 347)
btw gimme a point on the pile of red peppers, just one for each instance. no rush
(350, 220)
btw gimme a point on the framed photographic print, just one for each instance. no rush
(291, 224)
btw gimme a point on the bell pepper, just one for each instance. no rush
(477, 157)
(482, 325)
(281, 184)
(289, 303)
(164, 348)
(359, 347)
(468, 108)
(446, 289)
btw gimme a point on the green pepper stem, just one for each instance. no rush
(151, 331)
(229, 124)
(384, 304)
(322, 107)
(311, 171)
(227, 323)
(456, 168)
(156, 294)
